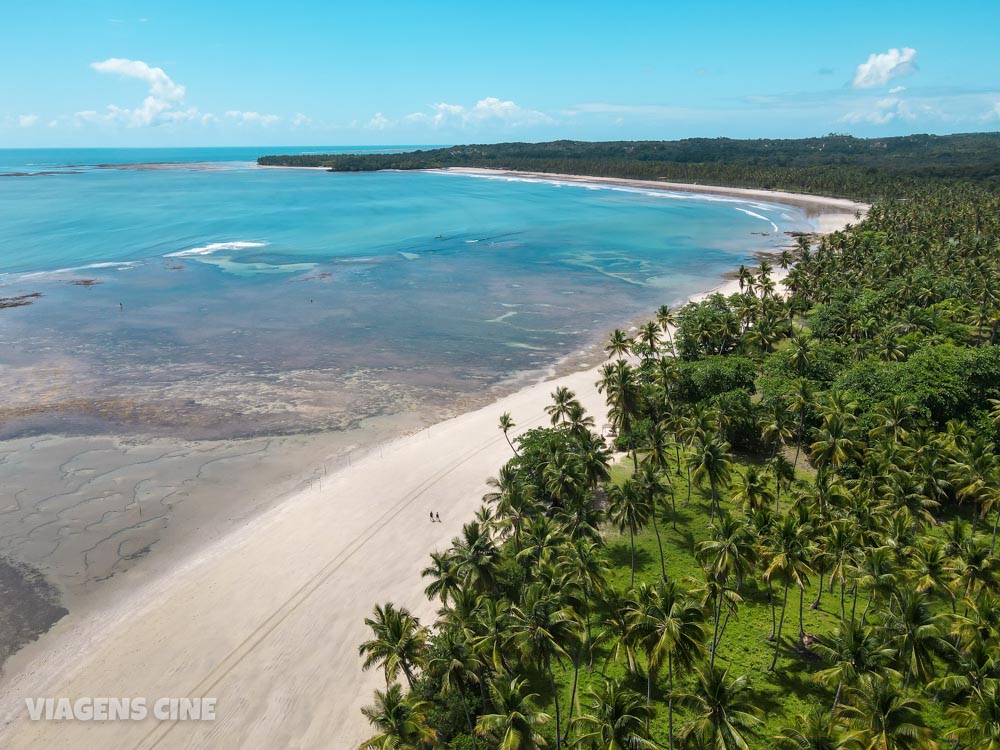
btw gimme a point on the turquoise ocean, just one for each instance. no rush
(189, 292)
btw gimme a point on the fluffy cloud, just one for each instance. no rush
(491, 109)
(883, 111)
(378, 122)
(252, 117)
(26, 121)
(882, 68)
(300, 119)
(160, 105)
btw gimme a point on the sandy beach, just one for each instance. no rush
(266, 619)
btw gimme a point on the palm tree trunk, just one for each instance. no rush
(819, 593)
(631, 537)
(688, 501)
(781, 623)
(802, 596)
(670, 702)
(996, 522)
(854, 604)
(843, 585)
(555, 698)
(659, 543)
(572, 695)
(673, 508)
(715, 628)
(774, 614)
(510, 443)
(836, 697)
(468, 716)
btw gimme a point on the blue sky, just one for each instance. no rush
(172, 73)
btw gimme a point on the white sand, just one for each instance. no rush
(267, 620)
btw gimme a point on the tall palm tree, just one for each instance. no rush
(617, 718)
(515, 721)
(852, 651)
(815, 730)
(710, 460)
(978, 718)
(669, 626)
(562, 402)
(787, 563)
(882, 717)
(628, 509)
(720, 715)
(619, 344)
(399, 643)
(542, 629)
(457, 665)
(401, 722)
(506, 425)
(918, 633)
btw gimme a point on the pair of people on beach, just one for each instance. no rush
(435, 520)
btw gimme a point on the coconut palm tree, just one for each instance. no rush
(619, 344)
(542, 629)
(562, 403)
(399, 643)
(506, 425)
(446, 580)
(710, 460)
(978, 718)
(852, 651)
(516, 719)
(668, 624)
(788, 554)
(629, 510)
(882, 717)
(457, 666)
(814, 730)
(720, 715)
(401, 722)
(616, 718)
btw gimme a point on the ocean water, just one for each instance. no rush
(188, 292)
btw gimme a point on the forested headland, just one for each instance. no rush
(787, 540)
(835, 165)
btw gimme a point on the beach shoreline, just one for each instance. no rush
(312, 563)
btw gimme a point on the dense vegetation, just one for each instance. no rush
(866, 169)
(795, 548)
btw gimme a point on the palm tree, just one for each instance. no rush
(788, 556)
(882, 717)
(669, 625)
(514, 725)
(457, 666)
(562, 400)
(815, 730)
(401, 723)
(710, 460)
(851, 652)
(506, 425)
(398, 645)
(617, 719)
(978, 718)
(653, 486)
(720, 715)
(629, 510)
(624, 397)
(619, 344)
(667, 320)
(918, 633)
(445, 577)
(801, 402)
(541, 629)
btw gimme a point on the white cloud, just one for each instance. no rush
(26, 121)
(882, 68)
(993, 114)
(158, 107)
(378, 122)
(885, 110)
(897, 89)
(488, 110)
(300, 119)
(253, 117)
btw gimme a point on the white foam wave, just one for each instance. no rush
(215, 247)
(758, 216)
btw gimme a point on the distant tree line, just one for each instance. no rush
(840, 165)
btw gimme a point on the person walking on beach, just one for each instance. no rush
(439, 518)
(432, 516)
